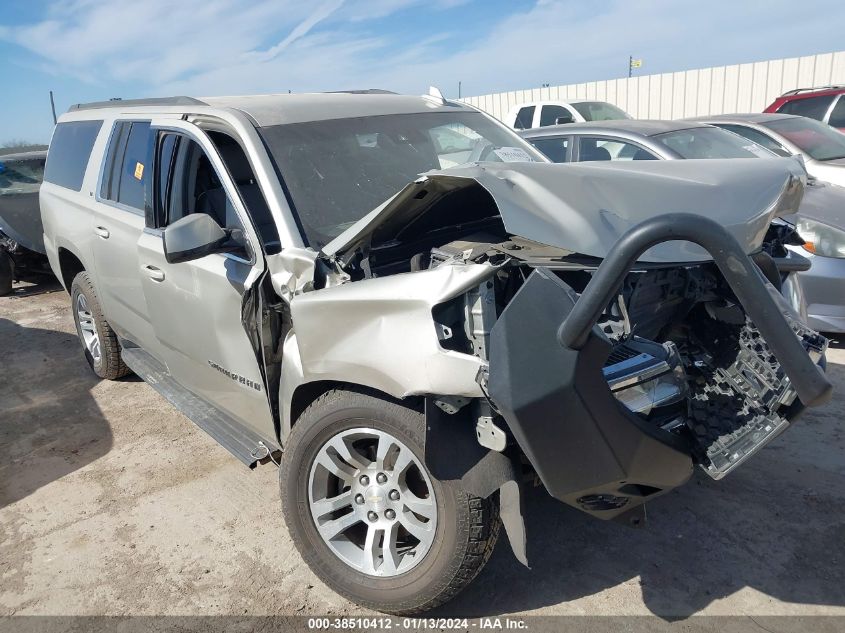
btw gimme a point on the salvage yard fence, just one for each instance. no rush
(701, 92)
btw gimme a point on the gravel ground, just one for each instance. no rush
(113, 503)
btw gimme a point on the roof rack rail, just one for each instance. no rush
(789, 93)
(122, 103)
(363, 91)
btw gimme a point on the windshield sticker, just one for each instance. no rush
(513, 155)
(139, 171)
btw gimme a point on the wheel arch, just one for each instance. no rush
(306, 393)
(70, 265)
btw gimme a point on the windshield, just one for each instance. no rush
(817, 139)
(20, 176)
(339, 170)
(711, 142)
(599, 111)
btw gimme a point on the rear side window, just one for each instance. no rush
(758, 137)
(551, 113)
(69, 152)
(524, 118)
(114, 161)
(837, 117)
(555, 148)
(812, 107)
(125, 170)
(131, 191)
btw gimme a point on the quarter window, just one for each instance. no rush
(812, 107)
(70, 150)
(524, 118)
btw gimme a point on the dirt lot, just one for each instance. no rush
(111, 502)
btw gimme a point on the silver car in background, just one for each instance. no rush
(821, 146)
(820, 291)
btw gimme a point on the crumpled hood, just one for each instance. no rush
(585, 208)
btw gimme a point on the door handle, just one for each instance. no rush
(102, 232)
(156, 274)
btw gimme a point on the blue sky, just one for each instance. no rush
(86, 50)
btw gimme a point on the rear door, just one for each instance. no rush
(197, 307)
(118, 220)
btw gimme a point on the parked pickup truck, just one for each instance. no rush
(421, 313)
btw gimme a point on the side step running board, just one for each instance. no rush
(243, 443)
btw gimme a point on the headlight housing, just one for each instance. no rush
(821, 239)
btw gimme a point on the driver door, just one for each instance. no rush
(195, 306)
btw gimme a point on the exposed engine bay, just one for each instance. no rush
(684, 357)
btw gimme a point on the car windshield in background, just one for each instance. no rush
(599, 111)
(339, 170)
(20, 176)
(711, 142)
(817, 139)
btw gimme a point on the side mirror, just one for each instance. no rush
(194, 236)
(563, 119)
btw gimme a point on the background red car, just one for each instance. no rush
(825, 104)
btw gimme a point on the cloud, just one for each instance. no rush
(206, 47)
(301, 30)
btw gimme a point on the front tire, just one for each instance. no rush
(99, 342)
(368, 517)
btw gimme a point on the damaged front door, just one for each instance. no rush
(196, 306)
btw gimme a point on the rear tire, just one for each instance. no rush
(7, 273)
(99, 342)
(465, 527)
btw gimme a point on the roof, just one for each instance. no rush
(751, 117)
(275, 109)
(643, 127)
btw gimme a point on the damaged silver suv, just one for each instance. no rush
(422, 314)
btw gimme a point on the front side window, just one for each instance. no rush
(600, 111)
(20, 176)
(549, 115)
(812, 107)
(70, 150)
(710, 142)
(596, 148)
(193, 185)
(524, 118)
(817, 139)
(555, 149)
(337, 171)
(758, 137)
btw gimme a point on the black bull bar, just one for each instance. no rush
(546, 373)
